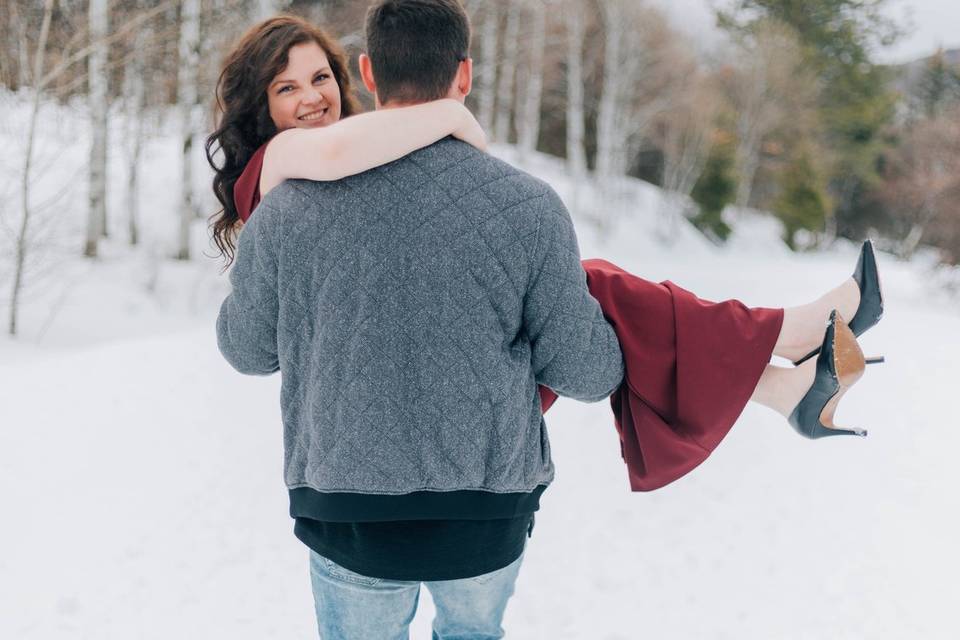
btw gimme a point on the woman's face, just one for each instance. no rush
(305, 94)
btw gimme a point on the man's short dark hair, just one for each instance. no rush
(415, 47)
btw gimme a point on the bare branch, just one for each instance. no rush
(119, 34)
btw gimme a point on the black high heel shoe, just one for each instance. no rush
(870, 309)
(840, 365)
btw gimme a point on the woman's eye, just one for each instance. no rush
(283, 89)
(321, 77)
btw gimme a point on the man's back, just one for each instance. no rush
(412, 311)
(419, 304)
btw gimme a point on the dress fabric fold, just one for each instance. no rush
(691, 367)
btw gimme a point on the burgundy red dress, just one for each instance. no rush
(691, 364)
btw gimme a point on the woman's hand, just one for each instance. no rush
(470, 131)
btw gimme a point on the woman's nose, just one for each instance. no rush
(311, 95)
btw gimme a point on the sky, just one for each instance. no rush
(931, 24)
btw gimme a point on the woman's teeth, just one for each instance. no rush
(316, 115)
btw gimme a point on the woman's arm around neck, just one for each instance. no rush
(362, 142)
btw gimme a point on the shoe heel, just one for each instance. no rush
(838, 431)
(870, 360)
(815, 352)
(826, 427)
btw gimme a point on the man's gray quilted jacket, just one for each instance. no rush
(411, 311)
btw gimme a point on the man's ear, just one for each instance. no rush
(366, 73)
(465, 76)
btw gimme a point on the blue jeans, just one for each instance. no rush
(355, 607)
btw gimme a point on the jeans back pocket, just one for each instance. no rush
(343, 574)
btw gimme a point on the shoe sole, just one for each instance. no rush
(848, 362)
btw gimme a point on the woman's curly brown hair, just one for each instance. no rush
(243, 114)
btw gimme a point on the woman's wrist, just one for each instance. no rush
(464, 114)
(461, 116)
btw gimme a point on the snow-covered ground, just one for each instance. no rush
(141, 477)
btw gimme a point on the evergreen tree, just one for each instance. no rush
(856, 104)
(803, 201)
(939, 87)
(715, 189)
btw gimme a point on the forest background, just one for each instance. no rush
(790, 114)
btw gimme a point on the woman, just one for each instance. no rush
(285, 96)
(303, 74)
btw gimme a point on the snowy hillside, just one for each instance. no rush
(141, 484)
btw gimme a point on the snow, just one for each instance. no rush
(141, 477)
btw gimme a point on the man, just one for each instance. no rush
(412, 311)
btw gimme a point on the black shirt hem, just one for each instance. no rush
(469, 564)
(419, 505)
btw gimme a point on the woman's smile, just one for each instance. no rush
(313, 116)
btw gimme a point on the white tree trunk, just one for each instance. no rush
(750, 131)
(529, 122)
(23, 64)
(508, 66)
(908, 246)
(98, 103)
(748, 161)
(686, 146)
(681, 171)
(135, 91)
(487, 70)
(21, 245)
(641, 64)
(769, 87)
(187, 97)
(576, 156)
(609, 145)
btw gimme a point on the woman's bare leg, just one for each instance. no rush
(781, 388)
(804, 326)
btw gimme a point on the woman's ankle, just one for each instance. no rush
(796, 337)
(804, 326)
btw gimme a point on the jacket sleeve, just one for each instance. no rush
(247, 324)
(574, 351)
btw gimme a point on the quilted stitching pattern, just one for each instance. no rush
(412, 310)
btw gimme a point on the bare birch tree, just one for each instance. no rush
(22, 235)
(609, 146)
(20, 26)
(639, 71)
(531, 89)
(487, 69)
(66, 59)
(98, 105)
(187, 103)
(574, 22)
(508, 67)
(134, 90)
(767, 78)
(687, 134)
